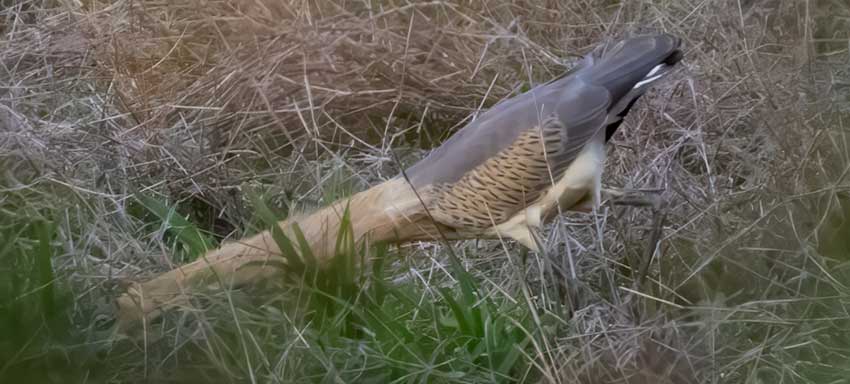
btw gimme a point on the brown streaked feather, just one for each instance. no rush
(497, 189)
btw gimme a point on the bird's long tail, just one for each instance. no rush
(388, 212)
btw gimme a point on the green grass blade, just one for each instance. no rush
(294, 261)
(461, 314)
(44, 267)
(187, 233)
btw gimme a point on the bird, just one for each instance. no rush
(529, 157)
(504, 174)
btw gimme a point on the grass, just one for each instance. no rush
(36, 308)
(344, 317)
(134, 135)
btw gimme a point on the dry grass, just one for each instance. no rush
(200, 100)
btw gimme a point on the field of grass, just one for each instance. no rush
(137, 134)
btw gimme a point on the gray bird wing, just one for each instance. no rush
(507, 158)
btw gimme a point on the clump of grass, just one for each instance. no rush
(39, 340)
(189, 242)
(30, 305)
(346, 321)
(458, 334)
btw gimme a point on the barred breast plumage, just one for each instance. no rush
(501, 186)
